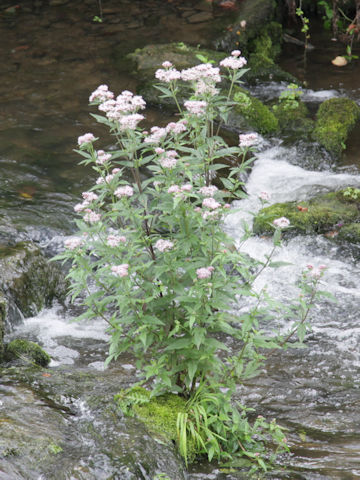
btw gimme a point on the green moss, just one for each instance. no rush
(258, 115)
(334, 121)
(293, 121)
(318, 215)
(25, 350)
(159, 414)
(350, 233)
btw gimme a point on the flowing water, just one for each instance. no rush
(53, 55)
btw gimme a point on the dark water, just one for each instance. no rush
(53, 55)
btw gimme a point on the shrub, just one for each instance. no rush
(156, 265)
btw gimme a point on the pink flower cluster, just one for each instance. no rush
(168, 160)
(169, 74)
(177, 190)
(248, 140)
(176, 127)
(129, 122)
(163, 245)
(156, 135)
(264, 196)
(101, 94)
(205, 88)
(235, 61)
(195, 107)
(316, 272)
(125, 191)
(88, 198)
(204, 272)
(102, 157)
(124, 109)
(73, 243)
(120, 270)
(281, 222)
(115, 240)
(211, 203)
(87, 138)
(91, 216)
(208, 191)
(204, 71)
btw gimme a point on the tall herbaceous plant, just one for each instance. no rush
(152, 260)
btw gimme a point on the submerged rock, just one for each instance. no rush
(334, 120)
(328, 213)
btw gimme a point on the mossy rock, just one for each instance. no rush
(321, 214)
(294, 120)
(27, 352)
(334, 121)
(148, 59)
(250, 112)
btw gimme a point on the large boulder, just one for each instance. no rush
(334, 120)
(328, 213)
(258, 35)
(27, 280)
(249, 113)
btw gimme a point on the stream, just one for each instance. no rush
(59, 423)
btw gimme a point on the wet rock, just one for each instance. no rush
(65, 425)
(335, 119)
(328, 214)
(27, 280)
(26, 352)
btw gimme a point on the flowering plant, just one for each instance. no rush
(156, 265)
